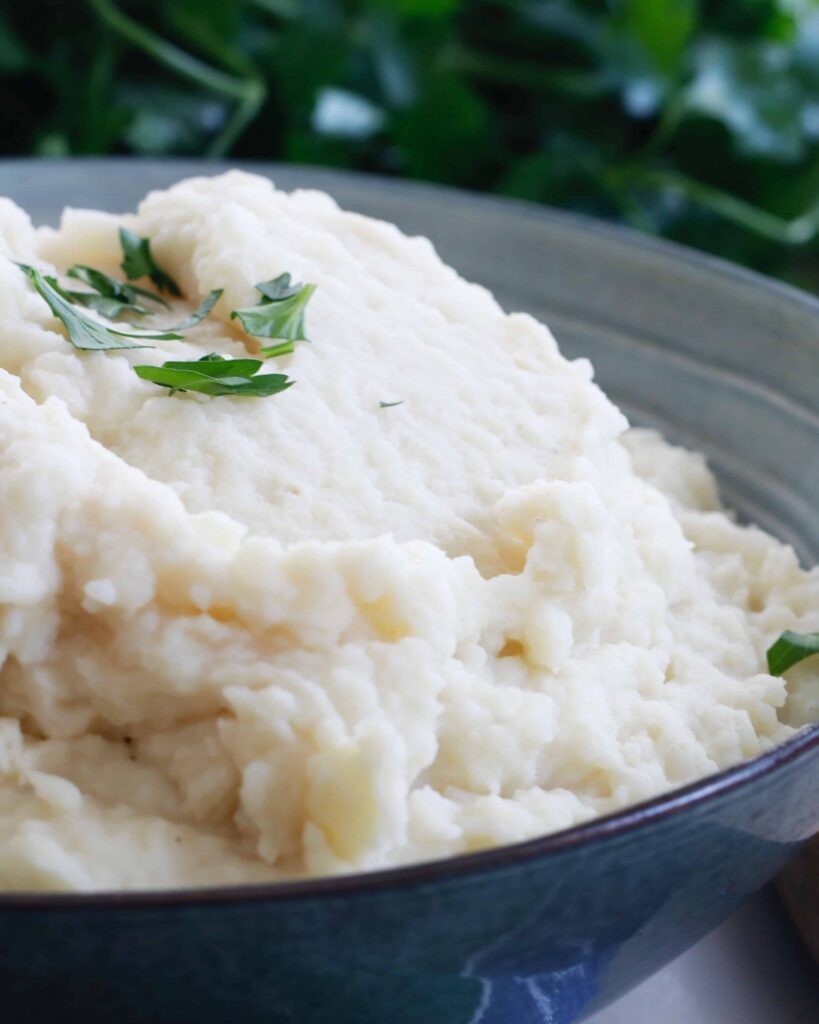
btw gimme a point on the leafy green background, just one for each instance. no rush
(693, 119)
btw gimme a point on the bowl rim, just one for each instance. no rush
(622, 234)
(608, 827)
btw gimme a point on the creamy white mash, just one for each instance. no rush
(249, 638)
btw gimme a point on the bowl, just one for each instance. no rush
(548, 930)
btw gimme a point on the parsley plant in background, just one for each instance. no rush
(694, 120)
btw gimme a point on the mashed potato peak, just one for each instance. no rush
(256, 638)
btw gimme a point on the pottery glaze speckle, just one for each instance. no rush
(549, 931)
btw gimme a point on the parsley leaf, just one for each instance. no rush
(110, 298)
(277, 289)
(83, 331)
(116, 304)
(110, 288)
(215, 375)
(137, 261)
(105, 306)
(790, 649)
(281, 317)
(389, 405)
(201, 311)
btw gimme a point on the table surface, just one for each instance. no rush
(752, 970)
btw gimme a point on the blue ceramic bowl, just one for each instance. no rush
(545, 931)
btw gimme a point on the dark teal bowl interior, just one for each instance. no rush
(553, 929)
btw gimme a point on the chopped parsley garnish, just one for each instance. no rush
(112, 298)
(279, 314)
(83, 331)
(110, 308)
(215, 375)
(279, 288)
(201, 311)
(790, 649)
(389, 405)
(137, 262)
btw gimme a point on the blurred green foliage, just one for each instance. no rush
(694, 119)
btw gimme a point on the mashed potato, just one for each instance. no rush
(251, 638)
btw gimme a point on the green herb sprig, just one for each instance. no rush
(215, 375)
(277, 289)
(790, 649)
(110, 298)
(83, 331)
(280, 314)
(201, 311)
(115, 297)
(86, 333)
(138, 261)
